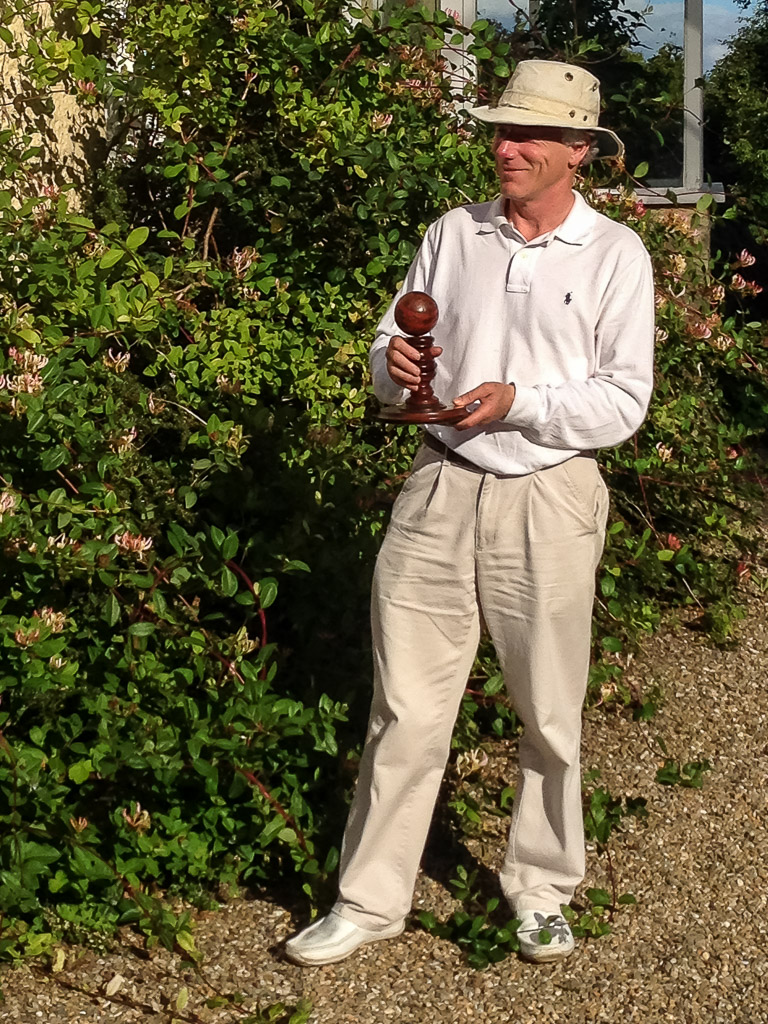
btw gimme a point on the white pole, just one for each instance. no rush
(693, 96)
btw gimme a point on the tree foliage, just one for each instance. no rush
(737, 107)
(193, 485)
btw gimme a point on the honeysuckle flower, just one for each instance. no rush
(470, 761)
(716, 293)
(8, 502)
(244, 644)
(738, 283)
(133, 543)
(124, 443)
(79, 824)
(56, 621)
(57, 662)
(381, 121)
(118, 362)
(61, 541)
(241, 259)
(661, 335)
(27, 360)
(23, 383)
(87, 88)
(639, 208)
(722, 342)
(154, 405)
(227, 386)
(26, 639)
(665, 453)
(679, 264)
(452, 13)
(660, 299)
(698, 329)
(753, 288)
(745, 259)
(139, 820)
(733, 452)
(673, 542)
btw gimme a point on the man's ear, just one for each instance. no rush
(577, 155)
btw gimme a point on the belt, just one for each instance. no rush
(448, 453)
(430, 441)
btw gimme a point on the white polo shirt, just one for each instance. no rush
(567, 317)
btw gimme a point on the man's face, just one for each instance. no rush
(531, 161)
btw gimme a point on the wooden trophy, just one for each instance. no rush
(416, 314)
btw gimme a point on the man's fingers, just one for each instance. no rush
(398, 344)
(476, 394)
(475, 419)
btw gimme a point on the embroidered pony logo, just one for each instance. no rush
(567, 298)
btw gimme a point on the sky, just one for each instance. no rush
(665, 23)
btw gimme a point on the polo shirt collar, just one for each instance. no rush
(573, 231)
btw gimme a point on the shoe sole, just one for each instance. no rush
(303, 961)
(547, 955)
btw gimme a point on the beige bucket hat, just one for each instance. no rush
(554, 94)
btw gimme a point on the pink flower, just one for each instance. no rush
(381, 121)
(139, 820)
(745, 259)
(87, 88)
(639, 208)
(453, 14)
(698, 329)
(56, 621)
(673, 542)
(132, 542)
(738, 283)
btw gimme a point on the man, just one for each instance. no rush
(546, 332)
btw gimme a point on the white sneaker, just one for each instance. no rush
(333, 938)
(534, 946)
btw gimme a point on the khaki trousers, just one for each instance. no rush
(524, 550)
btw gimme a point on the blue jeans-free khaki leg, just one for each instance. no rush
(525, 550)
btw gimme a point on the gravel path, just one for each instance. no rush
(695, 949)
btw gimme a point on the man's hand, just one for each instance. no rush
(403, 362)
(495, 401)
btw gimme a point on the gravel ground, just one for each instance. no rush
(695, 949)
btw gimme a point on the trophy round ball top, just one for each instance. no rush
(416, 313)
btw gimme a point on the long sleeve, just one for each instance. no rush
(418, 278)
(609, 406)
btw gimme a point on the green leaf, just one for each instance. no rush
(111, 610)
(228, 582)
(80, 771)
(137, 238)
(641, 170)
(704, 202)
(142, 628)
(267, 591)
(110, 258)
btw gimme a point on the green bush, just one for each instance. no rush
(193, 485)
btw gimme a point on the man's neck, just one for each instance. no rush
(539, 216)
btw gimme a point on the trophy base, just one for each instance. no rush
(402, 414)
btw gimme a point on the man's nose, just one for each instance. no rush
(506, 148)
